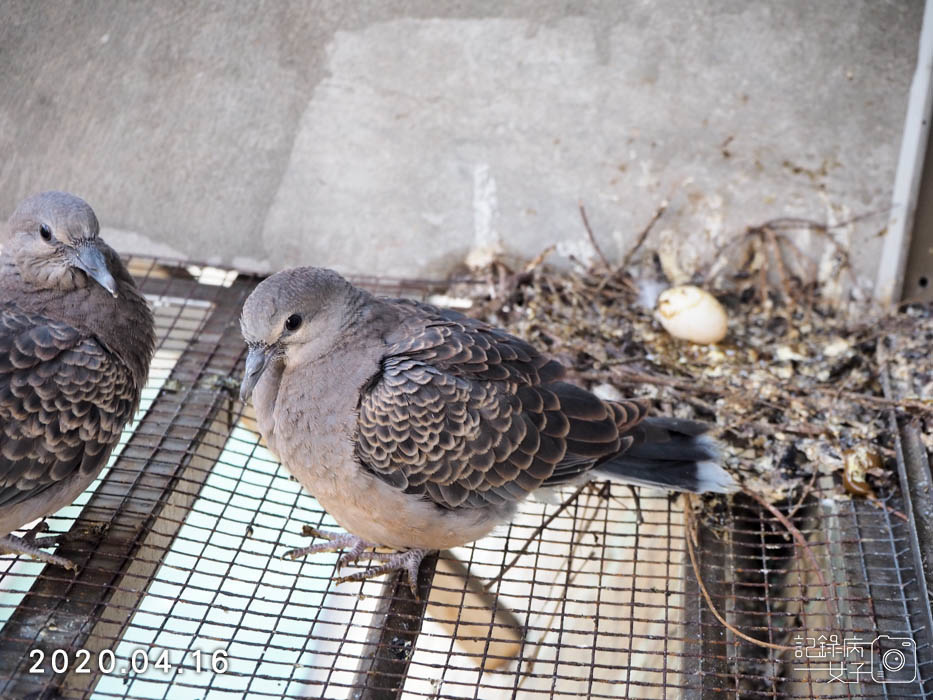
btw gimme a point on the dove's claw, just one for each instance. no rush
(410, 561)
(335, 542)
(356, 548)
(28, 545)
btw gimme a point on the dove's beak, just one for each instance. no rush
(91, 259)
(256, 361)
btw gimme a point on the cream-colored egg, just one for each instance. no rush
(692, 314)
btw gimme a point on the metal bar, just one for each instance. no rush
(890, 279)
(144, 500)
(395, 628)
(918, 272)
(183, 287)
(916, 483)
(915, 480)
(706, 662)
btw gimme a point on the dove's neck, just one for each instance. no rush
(123, 325)
(368, 319)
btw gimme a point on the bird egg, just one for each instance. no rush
(693, 314)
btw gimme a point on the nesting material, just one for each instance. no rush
(794, 387)
(693, 314)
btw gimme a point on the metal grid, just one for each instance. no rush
(583, 600)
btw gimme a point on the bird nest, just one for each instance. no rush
(796, 389)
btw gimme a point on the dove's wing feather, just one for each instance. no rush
(63, 402)
(469, 416)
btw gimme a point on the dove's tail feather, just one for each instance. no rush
(670, 453)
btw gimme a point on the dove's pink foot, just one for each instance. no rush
(28, 545)
(356, 547)
(409, 560)
(336, 541)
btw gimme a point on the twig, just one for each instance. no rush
(789, 222)
(768, 428)
(812, 269)
(626, 375)
(503, 290)
(802, 542)
(691, 533)
(570, 575)
(917, 404)
(777, 226)
(877, 503)
(538, 530)
(538, 259)
(779, 260)
(881, 352)
(683, 395)
(643, 235)
(589, 232)
(803, 496)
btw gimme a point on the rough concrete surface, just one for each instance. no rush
(398, 137)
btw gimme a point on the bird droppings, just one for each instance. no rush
(400, 648)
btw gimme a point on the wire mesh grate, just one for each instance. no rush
(182, 587)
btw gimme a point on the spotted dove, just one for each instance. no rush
(418, 428)
(76, 338)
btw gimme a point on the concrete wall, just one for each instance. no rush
(394, 138)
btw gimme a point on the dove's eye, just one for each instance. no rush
(293, 322)
(45, 232)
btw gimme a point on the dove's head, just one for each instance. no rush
(294, 315)
(52, 237)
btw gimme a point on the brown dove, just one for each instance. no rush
(418, 428)
(76, 338)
